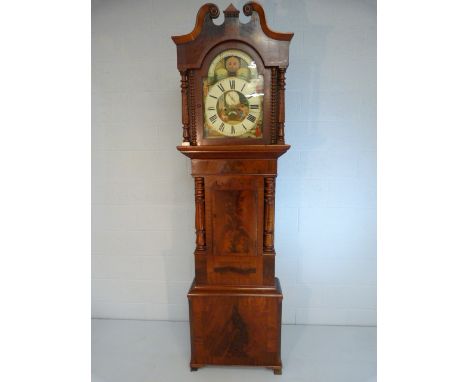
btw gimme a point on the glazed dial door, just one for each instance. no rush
(233, 97)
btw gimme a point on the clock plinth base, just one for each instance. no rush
(236, 326)
(278, 371)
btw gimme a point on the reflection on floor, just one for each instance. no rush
(159, 351)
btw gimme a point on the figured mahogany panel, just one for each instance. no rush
(234, 222)
(236, 328)
(234, 208)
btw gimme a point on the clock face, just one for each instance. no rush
(233, 97)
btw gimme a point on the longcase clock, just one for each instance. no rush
(233, 84)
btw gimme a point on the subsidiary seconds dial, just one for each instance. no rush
(232, 106)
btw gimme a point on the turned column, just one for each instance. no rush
(281, 113)
(185, 112)
(269, 216)
(274, 104)
(200, 213)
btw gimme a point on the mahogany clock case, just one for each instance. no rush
(235, 300)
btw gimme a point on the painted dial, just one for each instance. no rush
(232, 106)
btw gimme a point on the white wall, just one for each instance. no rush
(142, 192)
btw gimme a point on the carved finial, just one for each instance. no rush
(248, 9)
(231, 11)
(214, 11)
(253, 6)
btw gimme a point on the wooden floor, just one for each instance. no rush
(158, 351)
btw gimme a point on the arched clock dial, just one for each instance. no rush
(232, 107)
(233, 97)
